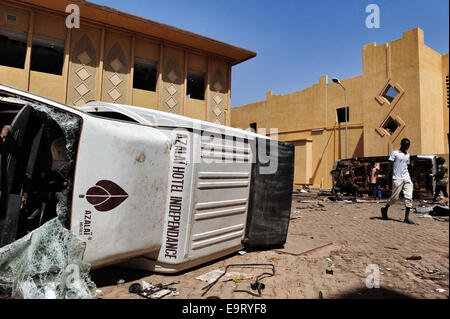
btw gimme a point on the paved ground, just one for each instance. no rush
(353, 237)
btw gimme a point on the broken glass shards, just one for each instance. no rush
(46, 263)
(70, 126)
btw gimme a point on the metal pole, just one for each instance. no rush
(346, 126)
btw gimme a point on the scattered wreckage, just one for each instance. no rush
(351, 176)
(107, 184)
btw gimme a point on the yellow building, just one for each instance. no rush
(403, 92)
(115, 57)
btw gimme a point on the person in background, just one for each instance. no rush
(376, 187)
(401, 180)
(441, 179)
(350, 183)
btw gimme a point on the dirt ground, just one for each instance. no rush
(339, 236)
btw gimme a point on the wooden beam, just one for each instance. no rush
(183, 107)
(28, 52)
(99, 93)
(131, 73)
(66, 64)
(207, 94)
(228, 108)
(159, 85)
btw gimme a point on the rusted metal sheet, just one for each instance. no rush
(352, 176)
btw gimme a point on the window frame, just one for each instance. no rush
(48, 43)
(145, 63)
(198, 73)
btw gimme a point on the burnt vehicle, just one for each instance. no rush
(144, 188)
(353, 175)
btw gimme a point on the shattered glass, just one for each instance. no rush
(70, 126)
(47, 262)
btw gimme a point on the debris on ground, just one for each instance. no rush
(425, 216)
(120, 283)
(210, 276)
(335, 198)
(149, 291)
(414, 258)
(213, 275)
(329, 271)
(430, 211)
(257, 285)
(440, 210)
(441, 219)
(423, 210)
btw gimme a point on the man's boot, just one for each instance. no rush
(407, 220)
(384, 211)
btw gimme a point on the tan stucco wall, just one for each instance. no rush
(397, 63)
(242, 116)
(23, 18)
(13, 76)
(445, 73)
(195, 109)
(308, 118)
(143, 98)
(432, 97)
(48, 85)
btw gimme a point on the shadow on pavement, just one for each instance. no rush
(374, 293)
(389, 219)
(108, 276)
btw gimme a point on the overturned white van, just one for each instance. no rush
(143, 188)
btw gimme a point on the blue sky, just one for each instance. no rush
(296, 41)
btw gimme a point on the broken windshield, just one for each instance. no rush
(37, 169)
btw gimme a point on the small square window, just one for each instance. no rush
(11, 18)
(144, 75)
(341, 114)
(195, 85)
(253, 127)
(390, 93)
(391, 125)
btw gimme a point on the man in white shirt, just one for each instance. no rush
(401, 181)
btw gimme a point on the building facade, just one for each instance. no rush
(115, 57)
(403, 92)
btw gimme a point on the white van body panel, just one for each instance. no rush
(215, 190)
(136, 158)
(163, 194)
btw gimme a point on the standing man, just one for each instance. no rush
(401, 181)
(441, 179)
(376, 187)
